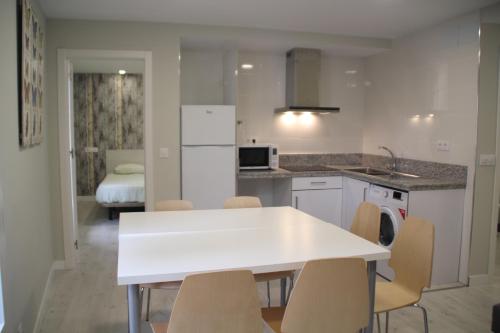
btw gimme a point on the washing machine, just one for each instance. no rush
(393, 209)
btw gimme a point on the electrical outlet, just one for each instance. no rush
(443, 145)
(487, 159)
(163, 152)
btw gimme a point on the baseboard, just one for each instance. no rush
(478, 280)
(85, 198)
(445, 286)
(56, 265)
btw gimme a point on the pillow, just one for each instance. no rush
(129, 168)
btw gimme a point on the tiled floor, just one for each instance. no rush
(87, 300)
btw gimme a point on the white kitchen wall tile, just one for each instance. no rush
(262, 89)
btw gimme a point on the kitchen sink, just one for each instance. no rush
(370, 171)
(379, 172)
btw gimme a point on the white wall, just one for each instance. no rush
(202, 77)
(230, 77)
(485, 216)
(432, 72)
(208, 76)
(26, 237)
(262, 89)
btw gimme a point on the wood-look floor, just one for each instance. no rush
(87, 300)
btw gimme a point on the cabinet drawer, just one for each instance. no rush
(316, 183)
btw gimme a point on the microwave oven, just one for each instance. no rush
(258, 157)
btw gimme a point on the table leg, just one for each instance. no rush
(134, 314)
(372, 275)
(283, 292)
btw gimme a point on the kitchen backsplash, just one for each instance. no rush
(320, 159)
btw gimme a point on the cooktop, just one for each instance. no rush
(302, 168)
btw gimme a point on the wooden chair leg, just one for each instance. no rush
(424, 313)
(378, 323)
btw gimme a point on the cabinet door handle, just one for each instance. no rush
(364, 193)
(318, 183)
(297, 201)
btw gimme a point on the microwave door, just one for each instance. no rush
(254, 158)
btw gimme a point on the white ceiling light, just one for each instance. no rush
(122, 72)
(247, 66)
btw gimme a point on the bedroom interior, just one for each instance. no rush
(108, 99)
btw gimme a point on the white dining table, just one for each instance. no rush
(168, 246)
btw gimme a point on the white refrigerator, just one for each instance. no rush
(208, 138)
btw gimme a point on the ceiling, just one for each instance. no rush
(273, 44)
(370, 18)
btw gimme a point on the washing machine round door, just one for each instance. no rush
(388, 227)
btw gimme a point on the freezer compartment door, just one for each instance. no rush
(208, 125)
(208, 175)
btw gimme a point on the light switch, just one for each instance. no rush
(163, 152)
(443, 145)
(487, 159)
(91, 149)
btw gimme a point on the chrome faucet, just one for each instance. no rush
(393, 165)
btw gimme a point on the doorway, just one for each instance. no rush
(105, 139)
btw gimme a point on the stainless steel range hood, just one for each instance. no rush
(302, 82)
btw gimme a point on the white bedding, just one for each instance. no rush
(121, 189)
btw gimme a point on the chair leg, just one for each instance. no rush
(424, 312)
(141, 301)
(148, 304)
(387, 322)
(290, 289)
(268, 294)
(378, 323)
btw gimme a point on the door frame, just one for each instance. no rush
(496, 189)
(68, 55)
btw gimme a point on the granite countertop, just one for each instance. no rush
(402, 183)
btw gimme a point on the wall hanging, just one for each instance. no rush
(30, 51)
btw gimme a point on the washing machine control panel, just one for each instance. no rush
(385, 194)
(397, 195)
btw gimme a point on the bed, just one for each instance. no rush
(121, 190)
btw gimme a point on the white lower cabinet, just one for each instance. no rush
(353, 194)
(444, 209)
(320, 197)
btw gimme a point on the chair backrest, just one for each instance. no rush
(366, 223)
(331, 295)
(220, 302)
(242, 202)
(167, 205)
(412, 253)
